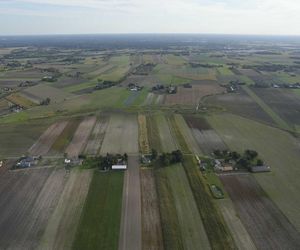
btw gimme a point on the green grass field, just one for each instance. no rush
(100, 220)
(277, 148)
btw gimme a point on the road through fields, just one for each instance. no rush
(130, 230)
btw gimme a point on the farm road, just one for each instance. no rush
(131, 226)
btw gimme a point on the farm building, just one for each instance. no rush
(26, 162)
(119, 167)
(260, 169)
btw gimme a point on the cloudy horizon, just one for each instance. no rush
(36, 17)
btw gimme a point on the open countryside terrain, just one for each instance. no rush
(80, 105)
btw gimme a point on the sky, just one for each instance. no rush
(260, 17)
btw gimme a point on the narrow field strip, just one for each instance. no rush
(151, 224)
(153, 134)
(99, 225)
(80, 137)
(143, 136)
(97, 136)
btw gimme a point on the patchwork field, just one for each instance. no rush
(192, 96)
(268, 227)
(277, 148)
(121, 135)
(20, 100)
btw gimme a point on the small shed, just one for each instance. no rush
(119, 167)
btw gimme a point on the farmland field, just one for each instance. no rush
(190, 226)
(99, 224)
(62, 225)
(167, 140)
(46, 140)
(240, 134)
(97, 136)
(259, 214)
(36, 192)
(151, 224)
(80, 137)
(121, 135)
(192, 96)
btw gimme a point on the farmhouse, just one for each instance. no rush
(25, 162)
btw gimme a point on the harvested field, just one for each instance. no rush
(99, 224)
(238, 231)
(97, 136)
(268, 227)
(27, 201)
(45, 142)
(160, 99)
(40, 92)
(241, 134)
(241, 104)
(62, 225)
(192, 96)
(65, 137)
(80, 137)
(121, 135)
(151, 224)
(149, 99)
(143, 135)
(168, 142)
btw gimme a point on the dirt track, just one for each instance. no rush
(267, 226)
(46, 140)
(80, 137)
(131, 225)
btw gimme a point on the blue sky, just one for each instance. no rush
(149, 16)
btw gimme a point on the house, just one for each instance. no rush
(119, 167)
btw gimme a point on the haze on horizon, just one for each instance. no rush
(260, 17)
